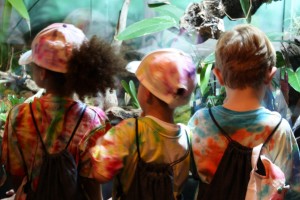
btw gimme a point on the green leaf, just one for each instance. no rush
(280, 61)
(6, 15)
(205, 77)
(209, 59)
(133, 94)
(245, 4)
(15, 100)
(125, 86)
(20, 8)
(294, 78)
(3, 107)
(132, 88)
(3, 116)
(171, 11)
(147, 26)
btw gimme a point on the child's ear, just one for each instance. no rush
(42, 74)
(270, 75)
(219, 76)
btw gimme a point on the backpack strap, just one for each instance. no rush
(137, 137)
(219, 127)
(73, 133)
(186, 153)
(272, 133)
(257, 149)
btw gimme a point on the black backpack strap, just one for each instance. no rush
(186, 153)
(76, 126)
(259, 164)
(272, 133)
(219, 127)
(137, 137)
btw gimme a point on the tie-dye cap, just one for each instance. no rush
(52, 47)
(169, 74)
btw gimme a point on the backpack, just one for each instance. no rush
(58, 179)
(151, 181)
(231, 179)
(271, 176)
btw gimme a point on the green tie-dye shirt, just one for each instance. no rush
(116, 152)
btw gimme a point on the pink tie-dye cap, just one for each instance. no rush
(169, 74)
(52, 47)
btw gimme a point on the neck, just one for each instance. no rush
(162, 113)
(243, 99)
(53, 93)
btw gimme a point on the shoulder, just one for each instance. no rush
(94, 111)
(198, 116)
(19, 111)
(126, 124)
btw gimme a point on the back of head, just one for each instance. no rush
(74, 63)
(244, 55)
(169, 74)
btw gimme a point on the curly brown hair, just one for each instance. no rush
(93, 68)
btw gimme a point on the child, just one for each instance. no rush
(245, 64)
(63, 62)
(167, 80)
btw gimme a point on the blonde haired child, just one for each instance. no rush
(245, 65)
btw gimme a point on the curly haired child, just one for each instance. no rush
(66, 64)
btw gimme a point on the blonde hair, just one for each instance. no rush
(244, 55)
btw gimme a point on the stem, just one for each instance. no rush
(121, 25)
(4, 29)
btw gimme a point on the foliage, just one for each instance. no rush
(131, 91)
(148, 26)
(205, 72)
(294, 78)
(7, 103)
(182, 114)
(246, 7)
(20, 7)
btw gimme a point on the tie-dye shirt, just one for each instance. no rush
(250, 129)
(55, 123)
(159, 141)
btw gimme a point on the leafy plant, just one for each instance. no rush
(148, 26)
(205, 72)
(294, 78)
(20, 7)
(7, 103)
(246, 7)
(131, 91)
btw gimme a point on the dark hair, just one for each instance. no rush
(93, 68)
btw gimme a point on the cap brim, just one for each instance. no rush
(132, 66)
(26, 58)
